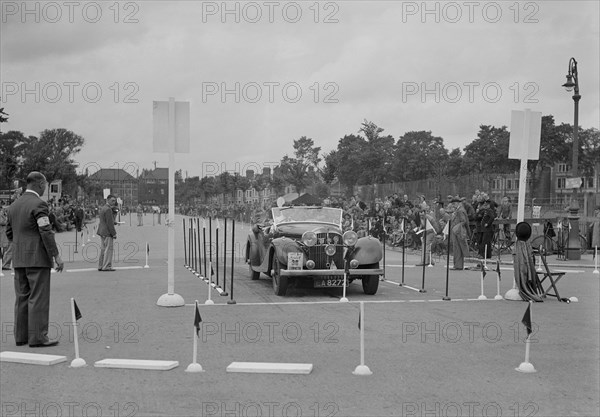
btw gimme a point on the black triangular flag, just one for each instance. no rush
(498, 270)
(77, 312)
(526, 320)
(483, 271)
(359, 319)
(197, 321)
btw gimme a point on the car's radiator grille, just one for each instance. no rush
(317, 252)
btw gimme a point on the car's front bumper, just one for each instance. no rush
(328, 272)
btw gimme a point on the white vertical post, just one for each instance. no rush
(171, 299)
(527, 366)
(77, 362)
(596, 260)
(195, 366)
(362, 369)
(209, 301)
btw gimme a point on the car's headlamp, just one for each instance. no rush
(350, 238)
(309, 238)
(330, 250)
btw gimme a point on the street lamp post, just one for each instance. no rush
(572, 84)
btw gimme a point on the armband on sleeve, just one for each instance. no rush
(43, 221)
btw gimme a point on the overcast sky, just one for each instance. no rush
(300, 69)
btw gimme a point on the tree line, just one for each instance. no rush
(366, 157)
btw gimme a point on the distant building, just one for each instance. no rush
(153, 187)
(118, 181)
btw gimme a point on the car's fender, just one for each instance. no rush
(253, 250)
(367, 250)
(284, 245)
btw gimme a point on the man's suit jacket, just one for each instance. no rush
(31, 233)
(107, 222)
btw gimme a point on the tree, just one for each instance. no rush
(331, 166)
(417, 154)
(589, 155)
(347, 160)
(377, 156)
(52, 154)
(11, 154)
(489, 152)
(305, 151)
(303, 169)
(295, 172)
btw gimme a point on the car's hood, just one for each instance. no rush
(297, 229)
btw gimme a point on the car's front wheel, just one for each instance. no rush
(370, 283)
(280, 283)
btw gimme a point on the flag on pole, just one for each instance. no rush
(428, 225)
(359, 319)
(197, 321)
(77, 312)
(446, 230)
(147, 248)
(218, 223)
(498, 270)
(483, 273)
(526, 320)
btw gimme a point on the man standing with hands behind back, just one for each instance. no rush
(34, 247)
(107, 232)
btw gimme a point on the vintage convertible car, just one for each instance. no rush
(307, 243)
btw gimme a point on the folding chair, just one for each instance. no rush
(553, 277)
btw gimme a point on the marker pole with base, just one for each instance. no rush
(525, 134)
(446, 297)
(362, 369)
(482, 296)
(513, 293)
(344, 299)
(527, 367)
(195, 366)
(185, 257)
(498, 296)
(224, 292)
(209, 301)
(170, 299)
(231, 300)
(77, 362)
(198, 253)
(147, 253)
(403, 253)
(423, 260)
(596, 260)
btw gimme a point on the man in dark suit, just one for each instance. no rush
(34, 248)
(107, 232)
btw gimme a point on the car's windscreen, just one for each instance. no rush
(307, 214)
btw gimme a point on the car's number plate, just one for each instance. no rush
(294, 260)
(329, 282)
